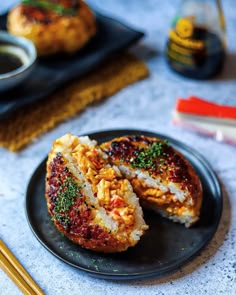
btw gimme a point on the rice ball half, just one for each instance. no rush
(89, 200)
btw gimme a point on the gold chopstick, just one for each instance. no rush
(15, 276)
(17, 273)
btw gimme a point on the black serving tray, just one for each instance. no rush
(53, 72)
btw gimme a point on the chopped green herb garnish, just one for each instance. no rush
(96, 267)
(147, 158)
(166, 141)
(49, 5)
(66, 196)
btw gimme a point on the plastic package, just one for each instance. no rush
(211, 119)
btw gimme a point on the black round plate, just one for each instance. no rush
(165, 246)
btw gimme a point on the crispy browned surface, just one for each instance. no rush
(78, 229)
(52, 32)
(169, 166)
(79, 220)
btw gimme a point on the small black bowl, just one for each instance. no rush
(21, 49)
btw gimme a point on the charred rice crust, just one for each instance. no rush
(169, 165)
(74, 223)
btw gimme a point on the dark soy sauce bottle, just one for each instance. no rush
(196, 44)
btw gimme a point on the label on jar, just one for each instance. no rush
(182, 43)
(193, 50)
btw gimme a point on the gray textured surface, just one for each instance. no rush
(145, 105)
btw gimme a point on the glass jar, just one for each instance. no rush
(197, 39)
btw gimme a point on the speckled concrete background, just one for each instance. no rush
(145, 105)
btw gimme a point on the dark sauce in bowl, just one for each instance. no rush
(9, 62)
(12, 57)
(17, 60)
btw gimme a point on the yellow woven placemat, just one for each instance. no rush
(27, 123)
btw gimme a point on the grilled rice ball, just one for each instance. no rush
(59, 26)
(89, 200)
(161, 177)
